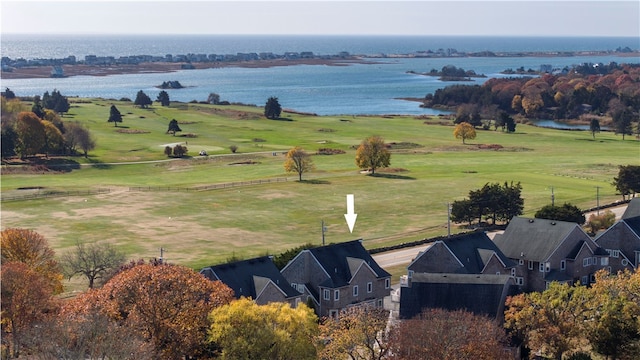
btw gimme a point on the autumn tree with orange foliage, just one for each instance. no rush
(32, 249)
(26, 298)
(448, 335)
(166, 305)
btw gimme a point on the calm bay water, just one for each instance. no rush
(325, 90)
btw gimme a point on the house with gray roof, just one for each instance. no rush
(622, 240)
(338, 276)
(550, 250)
(472, 253)
(258, 279)
(461, 272)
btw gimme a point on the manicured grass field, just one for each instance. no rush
(198, 228)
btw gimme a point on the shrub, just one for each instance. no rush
(168, 150)
(233, 148)
(179, 150)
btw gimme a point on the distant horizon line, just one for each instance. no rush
(323, 35)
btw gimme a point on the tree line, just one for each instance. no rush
(40, 130)
(612, 91)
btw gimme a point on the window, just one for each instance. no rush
(547, 267)
(333, 314)
(410, 274)
(355, 290)
(585, 280)
(521, 262)
(530, 265)
(604, 261)
(336, 295)
(586, 262)
(513, 272)
(497, 272)
(369, 287)
(387, 283)
(541, 267)
(563, 264)
(325, 294)
(379, 302)
(520, 281)
(613, 253)
(624, 262)
(294, 285)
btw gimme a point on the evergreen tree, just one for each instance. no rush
(566, 212)
(114, 115)
(8, 94)
(142, 100)
(272, 108)
(173, 127)
(163, 98)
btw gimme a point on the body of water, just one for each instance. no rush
(373, 88)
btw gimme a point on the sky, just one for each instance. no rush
(329, 17)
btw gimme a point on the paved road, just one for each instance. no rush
(405, 256)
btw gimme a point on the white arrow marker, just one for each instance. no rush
(350, 216)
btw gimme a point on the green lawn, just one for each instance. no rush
(199, 228)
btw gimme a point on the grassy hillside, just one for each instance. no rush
(198, 228)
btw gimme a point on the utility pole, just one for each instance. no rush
(553, 198)
(323, 229)
(162, 250)
(598, 200)
(448, 220)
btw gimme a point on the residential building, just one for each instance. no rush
(622, 240)
(550, 250)
(461, 272)
(258, 279)
(338, 276)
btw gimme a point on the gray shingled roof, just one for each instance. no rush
(480, 294)
(248, 277)
(533, 239)
(633, 209)
(338, 260)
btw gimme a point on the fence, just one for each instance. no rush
(208, 187)
(49, 194)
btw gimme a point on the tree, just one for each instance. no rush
(114, 115)
(594, 127)
(272, 108)
(464, 211)
(168, 150)
(179, 151)
(614, 330)
(29, 247)
(54, 142)
(213, 99)
(8, 140)
(628, 180)
(359, 333)
(163, 98)
(167, 305)
(566, 212)
(173, 127)
(602, 221)
(8, 94)
(77, 136)
(492, 201)
(95, 261)
(31, 134)
(622, 121)
(372, 154)
(143, 100)
(297, 160)
(550, 321)
(277, 331)
(442, 334)
(37, 107)
(464, 131)
(26, 297)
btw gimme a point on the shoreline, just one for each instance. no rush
(46, 71)
(31, 72)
